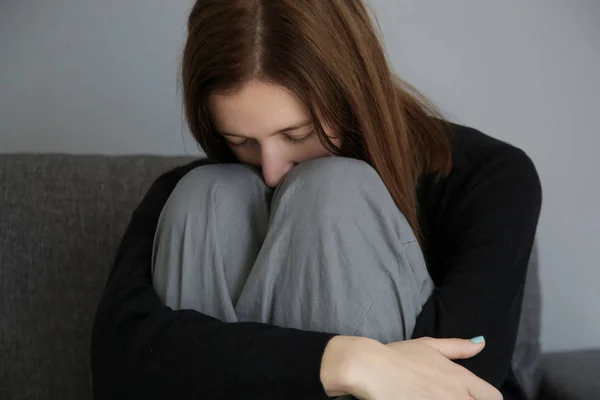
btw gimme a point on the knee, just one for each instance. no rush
(335, 188)
(212, 186)
(334, 180)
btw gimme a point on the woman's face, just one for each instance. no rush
(268, 127)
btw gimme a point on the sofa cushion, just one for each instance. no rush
(61, 220)
(571, 375)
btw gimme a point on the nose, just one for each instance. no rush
(273, 170)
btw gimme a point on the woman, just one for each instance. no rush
(339, 226)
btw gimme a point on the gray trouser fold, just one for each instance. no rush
(328, 250)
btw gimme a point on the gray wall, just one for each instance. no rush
(87, 76)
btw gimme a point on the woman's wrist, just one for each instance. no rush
(342, 362)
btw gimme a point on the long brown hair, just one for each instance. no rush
(327, 53)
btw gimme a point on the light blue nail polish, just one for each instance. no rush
(478, 339)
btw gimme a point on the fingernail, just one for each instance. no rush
(478, 339)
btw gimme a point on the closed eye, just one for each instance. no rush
(242, 143)
(290, 139)
(299, 140)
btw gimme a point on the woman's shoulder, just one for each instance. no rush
(477, 155)
(484, 167)
(473, 146)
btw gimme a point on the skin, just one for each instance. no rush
(270, 128)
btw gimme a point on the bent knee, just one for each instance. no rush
(219, 185)
(333, 179)
(335, 187)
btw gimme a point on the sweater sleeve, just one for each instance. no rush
(482, 260)
(143, 349)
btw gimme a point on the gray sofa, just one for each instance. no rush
(61, 220)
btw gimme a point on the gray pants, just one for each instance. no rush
(328, 250)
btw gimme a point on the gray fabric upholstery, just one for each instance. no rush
(61, 219)
(571, 375)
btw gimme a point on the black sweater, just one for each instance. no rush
(478, 226)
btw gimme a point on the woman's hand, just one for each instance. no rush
(412, 369)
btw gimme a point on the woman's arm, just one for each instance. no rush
(141, 348)
(483, 260)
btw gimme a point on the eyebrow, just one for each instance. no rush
(287, 129)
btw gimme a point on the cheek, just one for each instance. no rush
(334, 136)
(337, 141)
(249, 156)
(312, 151)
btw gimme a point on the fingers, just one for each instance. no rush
(454, 349)
(481, 390)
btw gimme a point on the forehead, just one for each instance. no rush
(257, 109)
